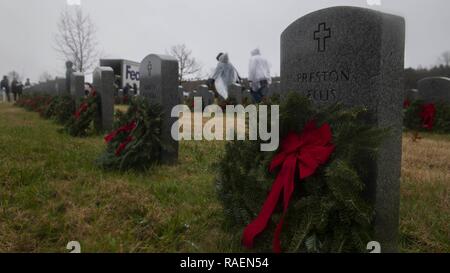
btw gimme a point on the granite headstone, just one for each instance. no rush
(355, 56)
(159, 84)
(206, 95)
(235, 93)
(103, 81)
(434, 89)
(69, 72)
(77, 86)
(274, 89)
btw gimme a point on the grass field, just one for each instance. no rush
(52, 193)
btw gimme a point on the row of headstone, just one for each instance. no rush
(350, 55)
(51, 87)
(103, 83)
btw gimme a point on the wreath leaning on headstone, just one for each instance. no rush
(432, 117)
(135, 142)
(308, 195)
(81, 121)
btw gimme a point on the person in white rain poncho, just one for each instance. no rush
(224, 75)
(258, 75)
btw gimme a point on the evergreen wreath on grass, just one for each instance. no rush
(80, 124)
(135, 142)
(323, 196)
(431, 117)
(59, 108)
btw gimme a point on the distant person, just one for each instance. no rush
(117, 86)
(258, 76)
(27, 83)
(135, 88)
(14, 88)
(126, 89)
(4, 85)
(19, 90)
(224, 75)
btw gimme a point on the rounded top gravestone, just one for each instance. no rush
(355, 56)
(159, 84)
(434, 89)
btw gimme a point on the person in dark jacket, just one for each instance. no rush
(126, 90)
(4, 85)
(15, 88)
(19, 90)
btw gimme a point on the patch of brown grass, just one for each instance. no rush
(425, 194)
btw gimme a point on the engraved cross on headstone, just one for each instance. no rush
(321, 36)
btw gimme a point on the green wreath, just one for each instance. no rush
(327, 212)
(79, 125)
(432, 117)
(135, 143)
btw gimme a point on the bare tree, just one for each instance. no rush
(445, 59)
(14, 75)
(45, 76)
(75, 40)
(188, 65)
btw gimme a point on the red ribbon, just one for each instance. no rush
(307, 151)
(125, 129)
(428, 116)
(83, 108)
(123, 145)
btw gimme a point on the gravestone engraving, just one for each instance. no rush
(159, 84)
(434, 89)
(77, 86)
(355, 56)
(235, 93)
(103, 81)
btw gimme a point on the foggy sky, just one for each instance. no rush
(131, 29)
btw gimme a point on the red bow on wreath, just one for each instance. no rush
(83, 108)
(125, 129)
(428, 116)
(123, 145)
(305, 151)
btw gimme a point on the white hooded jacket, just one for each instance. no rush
(224, 75)
(259, 70)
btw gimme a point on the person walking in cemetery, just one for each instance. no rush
(258, 76)
(116, 86)
(224, 76)
(14, 88)
(19, 90)
(4, 85)
(27, 83)
(135, 88)
(126, 89)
